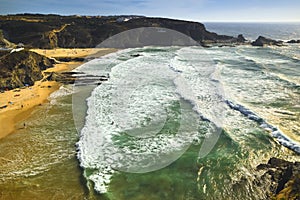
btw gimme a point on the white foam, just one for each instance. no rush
(121, 105)
(201, 76)
(276, 132)
(137, 99)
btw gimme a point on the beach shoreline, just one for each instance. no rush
(20, 103)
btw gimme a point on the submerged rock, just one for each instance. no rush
(263, 41)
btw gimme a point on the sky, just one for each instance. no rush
(195, 10)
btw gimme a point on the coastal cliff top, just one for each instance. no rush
(52, 31)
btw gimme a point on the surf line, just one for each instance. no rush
(276, 132)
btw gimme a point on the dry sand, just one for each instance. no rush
(21, 102)
(63, 67)
(73, 53)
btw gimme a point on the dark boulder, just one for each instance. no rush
(263, 41)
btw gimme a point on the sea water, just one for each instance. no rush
(263, 82)
(38, 162)
(134, 142)
(279, 31)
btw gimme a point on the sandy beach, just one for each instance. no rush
(18, 104)
(74, 53)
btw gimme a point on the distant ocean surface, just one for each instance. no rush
(251, 31)
(251, 93)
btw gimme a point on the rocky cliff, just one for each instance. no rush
(21, 68)
(51, 31)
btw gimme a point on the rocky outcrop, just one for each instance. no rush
(241, 38)
(75, 77)
(293, 41)
(263, 41)
(60, 77)
(21, 68)
(50, 31)
(285, 178)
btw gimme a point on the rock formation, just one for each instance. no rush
(285, 178)
(293, 41)
(75, 77)
(263, 41)
(241, 38)
(21, 68)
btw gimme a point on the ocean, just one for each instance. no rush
(170, 123)
(280, 31)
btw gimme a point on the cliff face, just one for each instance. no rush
(20, 68)
(50, 31)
